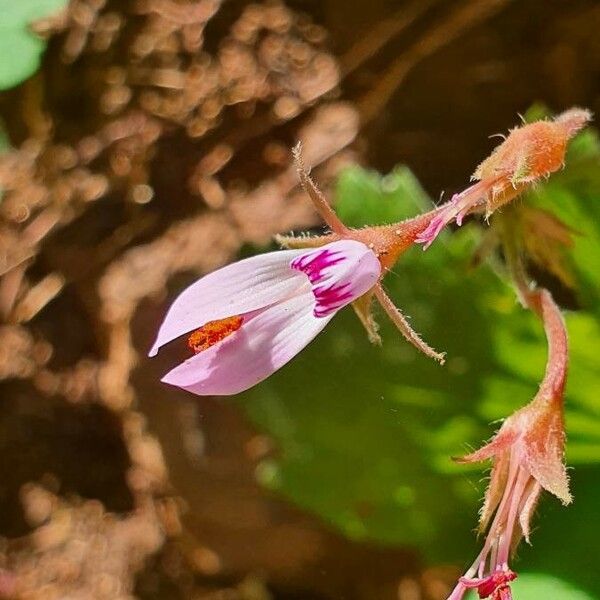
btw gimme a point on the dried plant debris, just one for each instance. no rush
(77, 550)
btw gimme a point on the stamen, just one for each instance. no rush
(213, 332)
(459, 206)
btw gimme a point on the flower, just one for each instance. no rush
(528, 456)
(527, 154)
(251, 317)
(388, 242)
(248, 319)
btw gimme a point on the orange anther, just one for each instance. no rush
(214, 331)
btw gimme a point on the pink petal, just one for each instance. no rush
(239, 288)
(458, 207)
(339, 273)
(428, 235)
(265, 342)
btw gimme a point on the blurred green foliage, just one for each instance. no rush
(20, 48)
(365, 434)
(573, 195)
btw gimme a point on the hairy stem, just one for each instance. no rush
(315, 194)
(402, 324)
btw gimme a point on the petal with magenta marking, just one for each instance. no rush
(339, 273)
(239, 288)
(266, 341)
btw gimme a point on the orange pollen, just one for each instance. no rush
(214, 331)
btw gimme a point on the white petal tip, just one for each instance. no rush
(170, 379)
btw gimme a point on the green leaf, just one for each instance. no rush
(20, 52)
(564, 539)
(20, 14)
(20, 49)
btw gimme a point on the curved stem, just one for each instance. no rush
(540, 301)
(402, 324)
(318, 199)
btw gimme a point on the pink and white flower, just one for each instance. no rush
(251, 317)
(246, 320)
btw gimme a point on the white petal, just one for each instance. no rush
(239, 288)
(264, 343)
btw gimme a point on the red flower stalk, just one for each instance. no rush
(528, 456)
(526, 155)
(387, 242)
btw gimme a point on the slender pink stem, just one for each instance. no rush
(558, 346)
(541, 302)
(479, 563)
(520, 485)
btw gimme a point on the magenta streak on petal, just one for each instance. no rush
(313, 265)
(338, 273)
(331, 298)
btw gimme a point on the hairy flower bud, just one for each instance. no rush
(528, 154)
